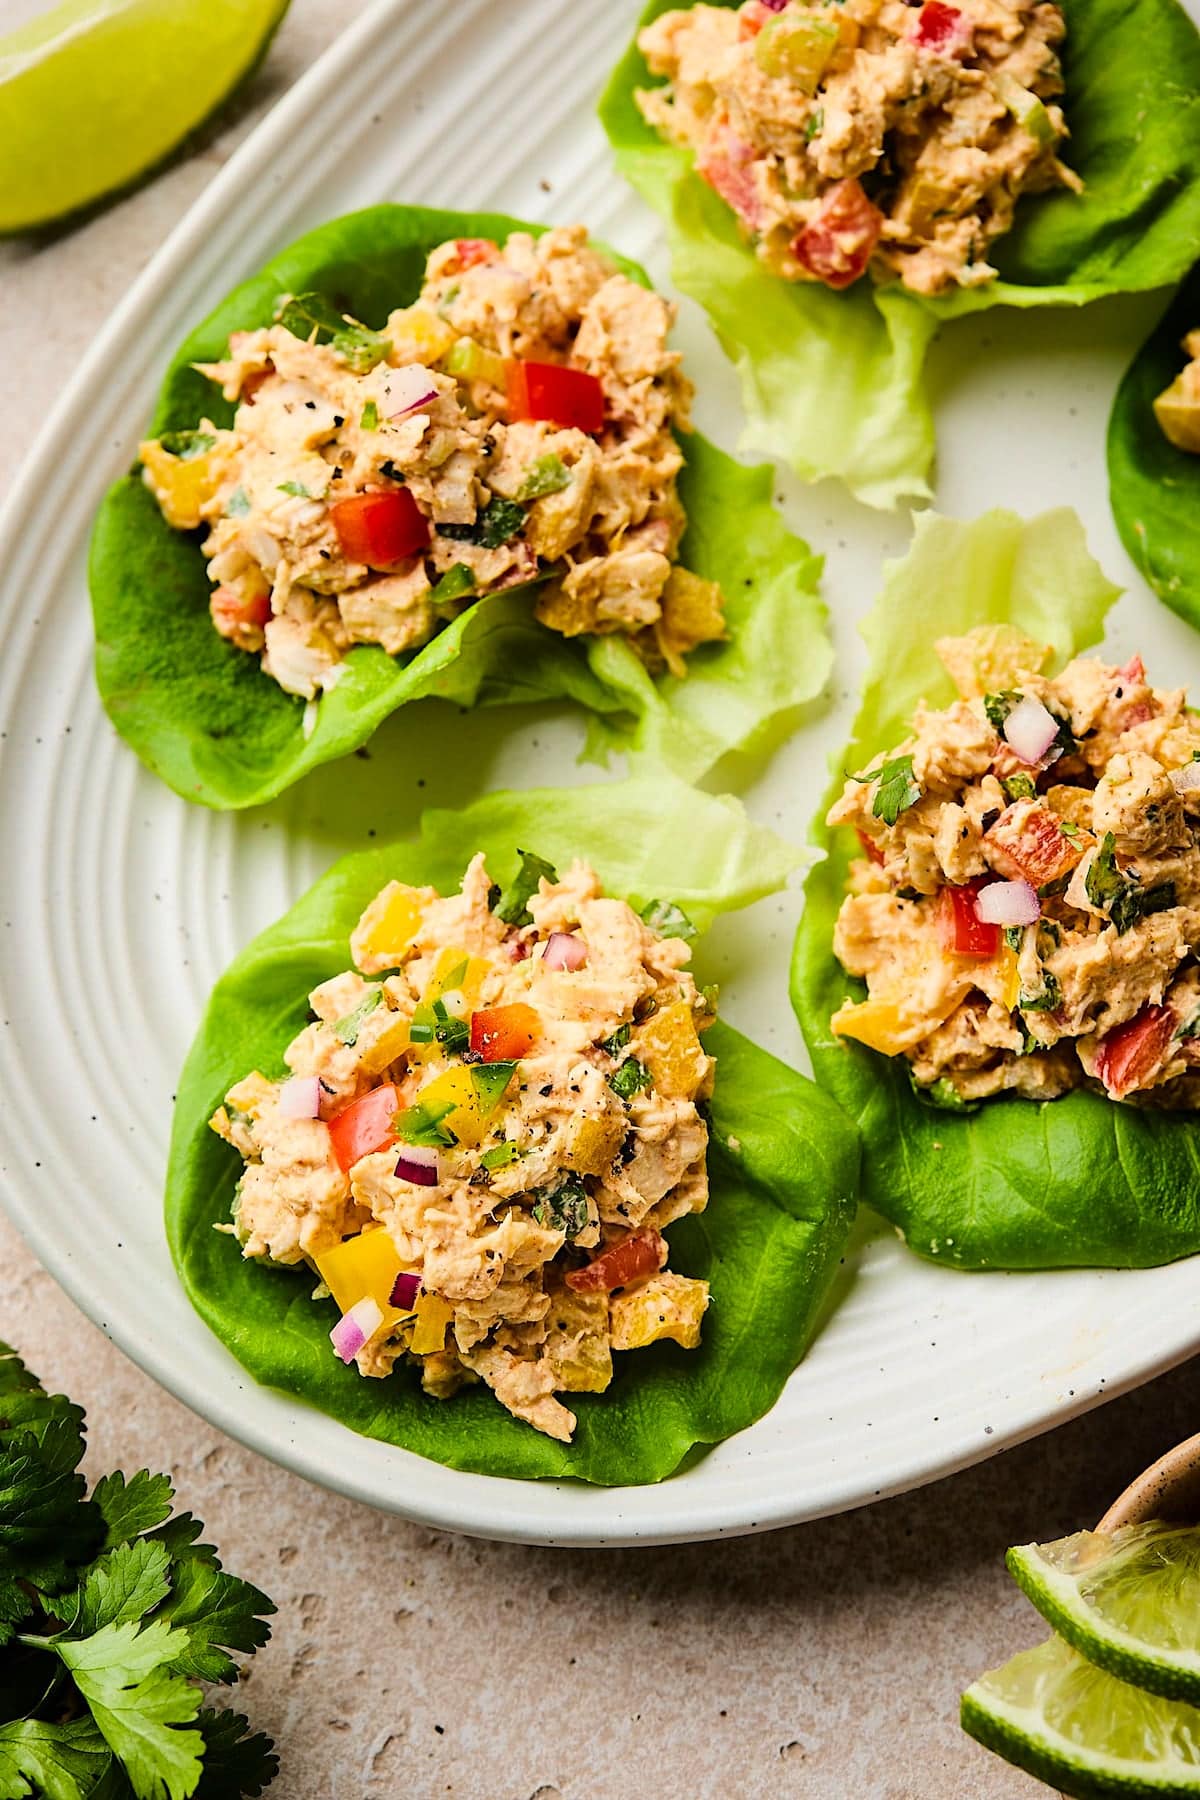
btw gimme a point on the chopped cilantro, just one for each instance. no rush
(296, 488)
(512, 903)
(496, 523)
(998, 706)
(630, 1079)
(1190, 1027)
(1014, 936)
(1019, 787)
(942, 1095)
(1119, 893)
(564, 1208)
(187, 445)
(314, 319)
(489, 1081)
(1047, 1000)
(423, 1124)
(238, 503)
(501, 1155)
(548, 475)
(456, 582)
(816, 122)
(618, 1040)
(370, 417)
(348, 1028)
(895, 789)
(668, 920)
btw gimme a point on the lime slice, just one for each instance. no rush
(1054, 1714)
(96, 92)
(1129, 1601)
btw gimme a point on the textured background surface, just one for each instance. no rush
(821, 1661)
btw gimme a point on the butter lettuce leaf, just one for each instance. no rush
(783, 1159)
(1015, 1184)
(832, 382)
(1153, 486)
(205, 718)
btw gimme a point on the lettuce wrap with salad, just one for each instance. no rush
(1154, 456)
(429, 454)
(922, 144)
(509, 1107)
(1019, 900)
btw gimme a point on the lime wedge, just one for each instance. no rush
(1129, 1602)
(95, 92)
(1054, 1714)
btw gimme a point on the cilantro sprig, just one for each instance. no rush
(316, 320)
(895, 788)
(1119, 893)
(110, 1613)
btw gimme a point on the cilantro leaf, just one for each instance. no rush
(1119, 893)
(236, 1760)
(1019, 787)
(895, 789)
(998, 706)
(315, 319)
(668, 920)
(45, 1522)
(123, 1585)
(125, 1675)
(187, 445)
(630, 1078)
(65, 1761)
(564, 1208)
(219, 1613)
(512, 905)
(495, 524)
(130, 1507)
(618, 1040)
(348, 1028)
(1047, 1000)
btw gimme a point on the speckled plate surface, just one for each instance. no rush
(119, 904)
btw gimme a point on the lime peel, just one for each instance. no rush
(1150, 1574)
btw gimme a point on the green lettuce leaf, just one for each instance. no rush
(1015, 1184)
(832, 383)
(202, 714)
(783, 1159)
(1154, 487)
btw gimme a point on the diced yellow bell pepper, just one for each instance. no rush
(392, 1042)
(181, 485)
(429, 1332)
(666, 1306)
(883, 1025)
(385, 932)
(473, 1095)
(457, 972)
(577, 1342)
(593, 1142)
(361, 1268)
(668, 1046)
(989, 659)
(1011, 991)
(418, 335)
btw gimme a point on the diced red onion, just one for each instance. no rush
(1030, 729)
(1008, 903)
(564, 951)
(300, 1098)
(355, 1328)
(1187, 779)
(404, 390)
(405, 1289)
(418, 1165)
(774, 5)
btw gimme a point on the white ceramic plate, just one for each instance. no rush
(121, 904)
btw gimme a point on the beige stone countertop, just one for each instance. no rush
(824, 1661)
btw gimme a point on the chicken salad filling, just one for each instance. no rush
(488, 1124)
(871, 135)
(517, 423)
(1177, 408)
(1026, 916)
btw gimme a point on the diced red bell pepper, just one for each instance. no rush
(380, 529)
(1130, 1053)
(869, 845)
(943, 29)
(234, 613)
(640, 1254)
(551, 391)
(504, 1033)
(755, 14)
(473, 251)
(1027, 839)
(726, 162)
(1134, 672)
(364, 1126)
(960, 929)
(836, 246)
